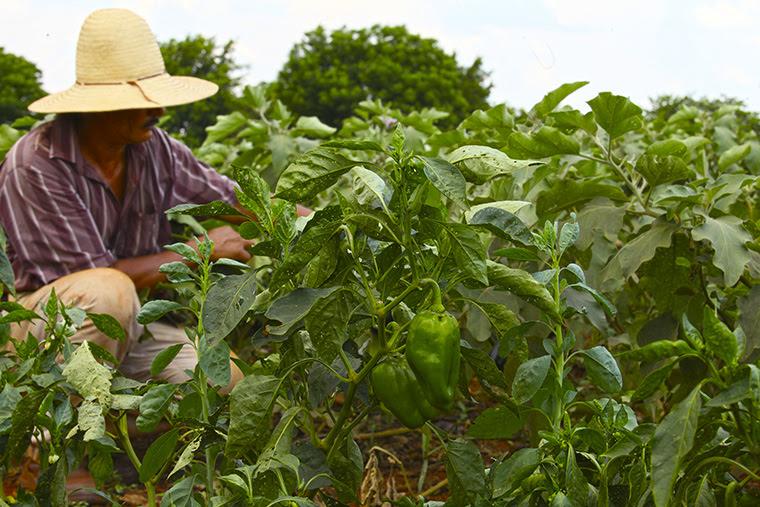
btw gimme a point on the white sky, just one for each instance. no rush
(640, 49)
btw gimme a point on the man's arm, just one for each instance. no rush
(143, 270)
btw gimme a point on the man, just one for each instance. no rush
(82, 198)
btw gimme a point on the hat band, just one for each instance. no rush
(129, 81)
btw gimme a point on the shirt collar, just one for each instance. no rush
(63, 141)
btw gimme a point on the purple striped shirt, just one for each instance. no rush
(60, 216)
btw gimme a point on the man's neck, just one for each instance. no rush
(107, 155)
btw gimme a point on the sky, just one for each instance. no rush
(639, 49)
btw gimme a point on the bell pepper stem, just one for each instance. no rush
(429, 282)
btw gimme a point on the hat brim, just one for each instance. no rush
(159, 91)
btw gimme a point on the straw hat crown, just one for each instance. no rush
(119, 66)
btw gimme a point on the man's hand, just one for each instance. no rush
(228, 244)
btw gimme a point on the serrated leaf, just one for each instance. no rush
(446, 178)
(727, 238)
(636, 252)
(659, 169)
(615, 114)
(90, 378)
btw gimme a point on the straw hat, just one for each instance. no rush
(119, 66)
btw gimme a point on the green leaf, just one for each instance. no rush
(18, 316)
(327, 323)
(446, 178)
(211, 209)
(294, 306)
(468, 251)
(552, 99)
(353, 144)
(318, 231)
(311, 126)
(154, 310)
(480, 164)
(658, 169)
(22, 424)
(608, 307)
(727, 238)
(615, 114)
(181, 494)
(529, 378)
(746, 387)
(749, 318)
(464, 469)
(311, 173)
(87, 376)
(227, 303)
(186, 457)
(251, 403)
(652, 382)
(7, 278)
(158, 454)
(672, 440)
(636, 252)
(575, 482)
(546, 142)
(153, 406)
(90, 420)
(495, 423)
(567, 194)
(522, 284)
(568, 236)
(734, 155)
(254, 194)
(507, 475)
(225, 126)
(484, 367)
(164, 358)
(108, 325)
(603, 369)
(369, 187)
(215, 362)
(704, 495)
(500, 221)
(719, 340)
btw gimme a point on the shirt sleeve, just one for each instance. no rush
(196, 182)
(49, 227)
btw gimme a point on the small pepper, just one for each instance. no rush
(396, 387)
(432, 349)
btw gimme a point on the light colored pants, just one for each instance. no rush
(106, 290)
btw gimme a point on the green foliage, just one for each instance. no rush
(329, 74)
(19, 86)
(202, 57)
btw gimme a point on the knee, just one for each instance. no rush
(108, 290)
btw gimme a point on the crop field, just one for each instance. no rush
(548, 307)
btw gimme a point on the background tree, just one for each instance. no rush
(327, 75)
(19, 86)
(201, 57)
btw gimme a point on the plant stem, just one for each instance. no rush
(560, 348)
(150, 489)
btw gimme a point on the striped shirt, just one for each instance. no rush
(60, 216)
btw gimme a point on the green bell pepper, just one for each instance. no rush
(432, 349)
(396, 387)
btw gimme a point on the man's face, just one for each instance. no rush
(131, 126)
